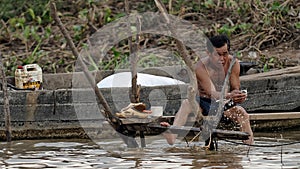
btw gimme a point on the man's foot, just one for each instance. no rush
(169, 136)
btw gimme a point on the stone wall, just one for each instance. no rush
(67, 111)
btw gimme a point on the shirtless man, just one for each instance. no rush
(211, 72)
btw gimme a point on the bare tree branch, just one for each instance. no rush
(135, 89)
(192, 89)
(101, 99)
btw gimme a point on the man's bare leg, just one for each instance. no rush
(239, 115)
(180, 120)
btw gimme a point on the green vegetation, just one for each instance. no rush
(29, 35)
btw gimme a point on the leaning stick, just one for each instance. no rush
(101, 99)
(184, 54)
(6, 102)
(135, 94)
(134, 58)
(209, 125)
(224, 88)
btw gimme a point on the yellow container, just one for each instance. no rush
(29, 76)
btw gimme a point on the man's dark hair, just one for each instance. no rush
(217, 42)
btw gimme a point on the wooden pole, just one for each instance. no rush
(193, 87)
(135, 89)
(134, 59)
(6, 102)
(224, 89)
(210, 125)
(101, 99)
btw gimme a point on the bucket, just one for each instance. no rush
(157, 111)
(29, 76)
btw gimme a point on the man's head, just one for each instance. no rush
(218, 48)
(217, 42)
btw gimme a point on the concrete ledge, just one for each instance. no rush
(274, 125)
(275, 116)
(96, 129)
(271, 91)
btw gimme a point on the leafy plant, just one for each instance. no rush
(28, 34)
(238, 28)
(119, 60)
(297, 25)
(209, 4)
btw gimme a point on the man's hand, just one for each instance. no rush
(238, 96)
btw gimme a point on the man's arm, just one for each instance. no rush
(235, 94)
(235, 77)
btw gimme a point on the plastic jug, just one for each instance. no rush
(29, 76)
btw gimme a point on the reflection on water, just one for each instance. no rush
(73, 153)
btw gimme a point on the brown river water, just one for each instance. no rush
(112, 153)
